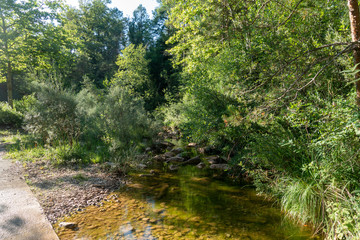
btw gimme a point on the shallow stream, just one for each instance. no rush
(188, 204)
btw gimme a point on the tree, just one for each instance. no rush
(164, 77)
(133, 69)
(133, 72)
(140, 27)
(355, 34)
(101, 30)
(18, 21)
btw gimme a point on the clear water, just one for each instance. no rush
(185, 205)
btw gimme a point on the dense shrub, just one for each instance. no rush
(124, 119)
(309, 159)
(25, 103)
(53, 118)
(9, 116)
(90, 124)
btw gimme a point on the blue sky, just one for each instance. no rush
(126, 6)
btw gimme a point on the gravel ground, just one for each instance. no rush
(63, 190)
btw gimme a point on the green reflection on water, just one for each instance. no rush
(186, 205)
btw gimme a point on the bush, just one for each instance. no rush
(53, 118)
(9, 116)
(124, 119)
(309, 159)
(25, 104)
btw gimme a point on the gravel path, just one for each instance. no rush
(21, 216)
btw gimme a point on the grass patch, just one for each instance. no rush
(80, 178)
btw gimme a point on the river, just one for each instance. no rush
(188, 204)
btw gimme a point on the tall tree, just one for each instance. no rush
(355, 34)
(133, 70)
(101, 30)
(139, 31)
(18, 21)
(164, 77)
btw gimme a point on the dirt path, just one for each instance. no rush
(21, 216)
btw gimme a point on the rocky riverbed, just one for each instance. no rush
(62, 190)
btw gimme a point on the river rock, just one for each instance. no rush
(201, 165)
(160, 157)
(193, 161)
(141, 165)
(154, 172)
(175, 159)
(162, 145)
(169, 154)
(126, 229)
(173, 167)
(177, 150)
(220, 166)
(185, 155)
(208, 150)
(215, 160)
(69, 225)
(146, 219)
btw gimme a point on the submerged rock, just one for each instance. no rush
(162, 191)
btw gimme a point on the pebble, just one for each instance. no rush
(69, 225)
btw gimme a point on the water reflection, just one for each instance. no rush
(188, 205)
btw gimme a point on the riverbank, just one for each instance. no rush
(83, 190)
(64, 190)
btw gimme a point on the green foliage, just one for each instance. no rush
(310, 159)
(133, 73)
(90, 125)
(139, 31)
(71, 155)
(9, 116)
(101, 30)
(133, 69)
(344, 214)
(53, 118)
(124, 119)
(25, 103)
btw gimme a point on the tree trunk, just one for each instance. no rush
(9, 85)
(355, 34)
